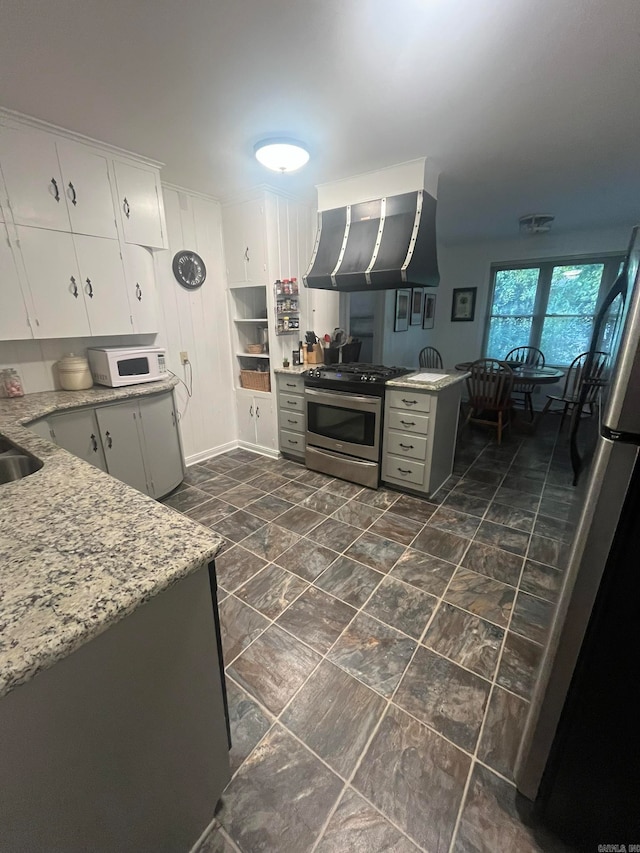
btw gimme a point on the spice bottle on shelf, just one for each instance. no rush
(10, 383)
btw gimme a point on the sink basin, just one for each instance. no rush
(15, 467)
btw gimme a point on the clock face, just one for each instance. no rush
(189, 269)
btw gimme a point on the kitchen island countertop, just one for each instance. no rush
(79, 550)
(447, 378)
(293, 369)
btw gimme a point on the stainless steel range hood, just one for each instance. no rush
(381, 244)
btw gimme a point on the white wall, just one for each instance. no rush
(196, 322)
(468, 265)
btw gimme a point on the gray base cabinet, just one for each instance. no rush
(291, 415)
(419, 438)
(136, 441)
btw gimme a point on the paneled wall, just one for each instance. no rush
(196, 322)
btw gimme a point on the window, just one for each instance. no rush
(549, 305)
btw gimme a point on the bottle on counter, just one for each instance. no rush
(10, 383)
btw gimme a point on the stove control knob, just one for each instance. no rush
(363, 378)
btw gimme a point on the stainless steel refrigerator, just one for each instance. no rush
(580, 755)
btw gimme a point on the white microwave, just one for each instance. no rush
(117, 366)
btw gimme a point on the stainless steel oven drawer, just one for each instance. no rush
(290, 383)
(405, 444)
(294, 402)
(292, 442)
(396, 469)
(408, 422)
(291, 420)
(409, 400)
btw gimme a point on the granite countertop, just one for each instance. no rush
(79, 550)
(447, 378)
(295, 369)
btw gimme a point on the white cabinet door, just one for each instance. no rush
(162, 453)
(255, 236)
(266, 431)
(14, 324)
(235, 245)
(246, 418)
(122, 440)
(139, 201)
(78, 433)
(141, 288)
(29, 163)
(54, 283)
(102, 277)
(86, 185)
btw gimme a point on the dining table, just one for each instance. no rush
(526, 375)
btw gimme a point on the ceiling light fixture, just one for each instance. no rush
(536, 223)
(281, 155)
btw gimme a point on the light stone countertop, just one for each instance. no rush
(448, 378)
(79, 550)
(293, 369)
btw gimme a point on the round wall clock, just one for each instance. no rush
(189, 269)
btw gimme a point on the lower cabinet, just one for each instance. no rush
(136, 441)
(256, 419)
(419, 437)
(291, 415)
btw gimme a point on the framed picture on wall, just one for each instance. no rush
(463, 305)
(429, 315)
(417, 297)
(403, 305)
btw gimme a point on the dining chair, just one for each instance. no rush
(531, 357)
(489, 386)
(576, 380)
(430, 357)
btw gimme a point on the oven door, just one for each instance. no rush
(344, 422)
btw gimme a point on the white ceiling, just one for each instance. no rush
(525, 105)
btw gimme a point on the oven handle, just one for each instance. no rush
(345, 400)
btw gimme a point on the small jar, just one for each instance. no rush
(74, 373)
(10, 383)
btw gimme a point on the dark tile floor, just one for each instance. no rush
(381, 649)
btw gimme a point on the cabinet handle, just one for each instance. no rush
(292, 402)
(74, 287)
(89, 289)
(138, 292)
(409, 402)
(291, 441)
(289, 421)
(257, 411)
(408, 423)
(406, 446)
(250, 411)
(56, 191)
(126, 208)
(94, 443)
(109, 439)
(246, 254)
(74, 197)
(404, 470)
(291, 384)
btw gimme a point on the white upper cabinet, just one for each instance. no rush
(139, 202)
(14, 324)
(29, 163)
(87, 188)
(54, 282)
(141, 288)
(245, 242)
(102, 277)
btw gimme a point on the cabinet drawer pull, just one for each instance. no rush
(289, 421)
(408, 423)
(89, 289)
(56, 191)
(94, 443)
(257, 411)
(291, 441)
(246, 254)
(138, 292)
(74, 287)
(291, 385)
(250, 411)
(74, 196)
(126, 208)
(409, 402)
(406, 446)
(404, 470)
(107, 435)
(292, 402)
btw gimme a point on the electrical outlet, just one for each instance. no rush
(184, 357)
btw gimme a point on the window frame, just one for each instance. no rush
(611, 262)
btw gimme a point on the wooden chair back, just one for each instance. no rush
(489, 385)
(531, 356)
(430, 357)
(577, 376)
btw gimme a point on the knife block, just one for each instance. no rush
(315, 355)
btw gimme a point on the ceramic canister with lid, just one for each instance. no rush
(74, 373)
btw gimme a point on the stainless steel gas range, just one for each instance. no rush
(345, 407)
